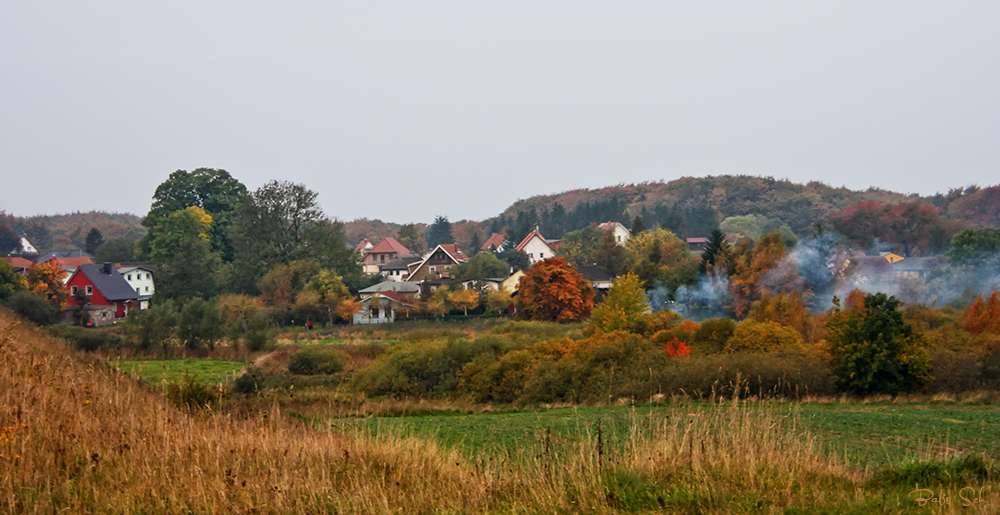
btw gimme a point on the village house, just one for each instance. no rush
(496, 243)
(383, 253)
(110, 296)
(140, 277)
(437, 261)
(697, 244)
(536, 246)
(383, 308)
(622, 234)
(398, 269)
(20, 264)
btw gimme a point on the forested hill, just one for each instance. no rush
(67, 231)
(692, 206)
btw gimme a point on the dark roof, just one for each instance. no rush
(72, 253)
(441, 281)
(112, 285)
(911, 265)
(595, 273)
(401, 263)
(872, 265)
(398, 286)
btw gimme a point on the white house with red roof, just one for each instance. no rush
(497, 242)
(536, 247)
(622, 234)
(386, 251)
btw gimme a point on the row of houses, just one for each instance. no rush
(111, 289)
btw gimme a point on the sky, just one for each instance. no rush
(402, 111)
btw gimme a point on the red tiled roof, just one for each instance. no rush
(494, 241)
(453, 250)
(555, 245)
(73, 261)
(390, 245)
(528, 238)
(697, 240)
(19, 262)
(361, 245)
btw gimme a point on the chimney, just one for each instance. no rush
(108, 268)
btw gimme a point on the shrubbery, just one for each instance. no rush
(33, 308)
(316, 362)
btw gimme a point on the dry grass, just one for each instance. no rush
(76, 436)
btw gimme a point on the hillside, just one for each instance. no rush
(64, 231)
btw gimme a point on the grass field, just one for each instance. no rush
(155, 372)
(860, 435)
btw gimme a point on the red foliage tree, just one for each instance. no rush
(552, 289)
(983, 317)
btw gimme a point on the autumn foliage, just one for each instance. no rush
(983, 317)
(46, 281)
(552, 289)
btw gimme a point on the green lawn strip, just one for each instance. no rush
(155, 372)
(873, 435)
(865, 436)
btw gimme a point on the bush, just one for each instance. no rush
(753, 336)
(191, 394)
(713, 334)
(87, 340)
(249, 382)
(316, 361)
(33, 308)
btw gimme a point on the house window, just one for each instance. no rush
(541, 255)
(147, 289)
(129, 277)
(147, 276)
(531, 255)
(72, 290)
(90, 290)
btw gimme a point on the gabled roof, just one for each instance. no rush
(73, 262)
(108, 281)
(72, 253)
(19, 262)
(594, 273)
(136, 265)
(697, 240)
(495, 241)
(396, 286)
(872, 264)
(396, 297)
(390, 245)
(608, 226)
(362, 246)
(453, 251)
(911, 265)
(401, 263)
(529, 237)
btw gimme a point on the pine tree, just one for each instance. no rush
(637, 225)
(716, 244)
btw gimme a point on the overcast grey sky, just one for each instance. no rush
(405, 110)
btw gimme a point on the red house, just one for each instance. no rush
(110, 295)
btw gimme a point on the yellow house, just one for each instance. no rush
(511, 283)
(891, 257)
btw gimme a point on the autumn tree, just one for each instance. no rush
(788, 309)
(746, 286)
(716, 247)
(465, 300)
(754, 336)
(983, 317)
(552, 289)
(46, 281)
(874, 350)
(623, 307)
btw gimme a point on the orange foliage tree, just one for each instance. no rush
(745, 286)
(46, 280)
(552, 289)
(983, 317)
(788, 310)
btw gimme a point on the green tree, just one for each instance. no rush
(874, 350)
(213, 190)
(578, 246)
(484, 265)
(11, 282)
(440, 232)
(974, 246)
(716, 246)
(637, 225)
(518, 259)
(659, 257)
(412, 238)
(116, 250)
(609, 255)
(623, 308)
(9, 242)
(475, 241)
(273, 226)
(93, 241)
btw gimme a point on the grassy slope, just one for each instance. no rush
(154, 372)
